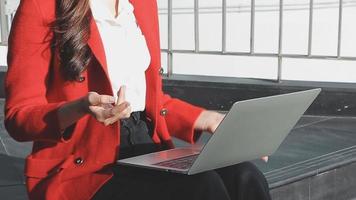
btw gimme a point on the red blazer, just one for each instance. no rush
(75, 168)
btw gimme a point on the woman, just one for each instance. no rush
(67, 60)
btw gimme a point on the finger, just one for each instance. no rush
(120, 107)
(124, 114)
(93, 98)
(114, 118)
(265, 158)
(107, 99)
(100, 113)
(96, 99)
(121, 95)
(214, 127)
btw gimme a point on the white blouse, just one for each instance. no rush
(126, 51)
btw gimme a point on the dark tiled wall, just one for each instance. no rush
(337, 184)
(337, 99)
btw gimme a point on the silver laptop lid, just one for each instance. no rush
(252, 129)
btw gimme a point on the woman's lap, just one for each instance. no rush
(134, 183)
(245, 181)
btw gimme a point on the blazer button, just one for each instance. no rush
(78, 161)
(81, 79)
(161, 70)
(163, 112)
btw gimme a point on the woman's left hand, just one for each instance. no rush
(208, 121)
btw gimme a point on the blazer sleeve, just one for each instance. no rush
(181, 117)
(28, 114)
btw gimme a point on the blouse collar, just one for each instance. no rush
(102, 10)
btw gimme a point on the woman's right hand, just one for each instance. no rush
(101, 106)
(121, 110)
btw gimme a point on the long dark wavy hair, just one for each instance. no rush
(71, 30)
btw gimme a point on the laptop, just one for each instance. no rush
(250, 130)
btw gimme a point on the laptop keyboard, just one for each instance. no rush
(179, 163)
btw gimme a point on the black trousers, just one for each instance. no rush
(238, 182)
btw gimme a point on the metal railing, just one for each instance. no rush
(7, 12)
(279, 55)
(8, 8)
(3, 22)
